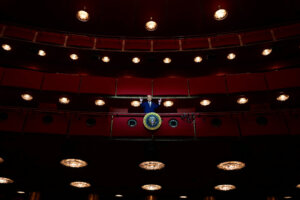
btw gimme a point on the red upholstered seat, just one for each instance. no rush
(256, 36)
(51, 38)
(283, 78)
(134, 86)
(18, 32)
(61, 82)
(101, 127)
(98, 85)
(207, 85)
(246, 82)
(80, 40)
(22, 78)
(138, 44)
(170, 86)
(225, 40)
(195, 43)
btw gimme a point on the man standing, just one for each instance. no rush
(149, 106)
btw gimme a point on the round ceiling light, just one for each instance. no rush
(198, 59)
(42, 52)
(105, 59)
(231, 165)
(73, 163)
(119, 195)
(242, 100)
(205, 102)
(152, 165)
(74, 56)
(20, 192)
(220, 14)
(135, 103)
(151, 187)
(225, 187)
(1, 160)
(64, 100)
(231, 56)
(99, 102)
(83, 16)
(266, 52)
(6, 47)
(167, 60)
(136, 60)
(287, 197)
(283, 97)
(80, 184)
(4, 180)
(26, 97)
(183, 197)
(168, 103)
(151, 25)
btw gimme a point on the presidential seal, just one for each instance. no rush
(152, 121)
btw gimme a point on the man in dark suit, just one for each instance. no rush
(149, 106)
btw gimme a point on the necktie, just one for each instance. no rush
(149, 103)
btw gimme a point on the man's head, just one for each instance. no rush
(149, 97)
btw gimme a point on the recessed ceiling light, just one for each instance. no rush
(20, 192)
(74, 56)
(168, 103)
(231, 165)
(99, 102)
(231, 56)
(136, 60)
(151, 187)
(167, 60)
(183, 197)
(42, 52)
(283, 97)
(64, 100)
(6, 47)
(242, 100)
(1, 160)
(266, 52)
(225, 187)
(119, 195)
(198, 59)
(287, 197)
(80, 184)
(152, 165)
(83, 16)
(135, 103)
(73, 163)
(151, 25)
(26, 97)
(4, 180)
(205, 102)
(298, 186)
(105, 59)
(220, 14)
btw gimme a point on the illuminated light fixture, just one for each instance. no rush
(231, 165)
(151, 25)
(73, 163)
(167, 60)
(99, 102)
(242, 100)
(6, 47)
(298, 186)
(225, 187)
(118, 195)
(283, 97)
(231, 56)
(64, 100)
(266, 52)
(135, 103)
(151, 187)
(168, 103)
(136, 60)
(183, 197)
(26, 97)
(105, 59)
(80, 184)
(205, 102)
(83, 16)
(20, 192)
(42, 52)
(152, 165)
(287, 197)
(198, 59)
(1, 160)
(220, 14)
(74, 56)
(4, 180)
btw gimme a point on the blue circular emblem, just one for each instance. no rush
(152, 121)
